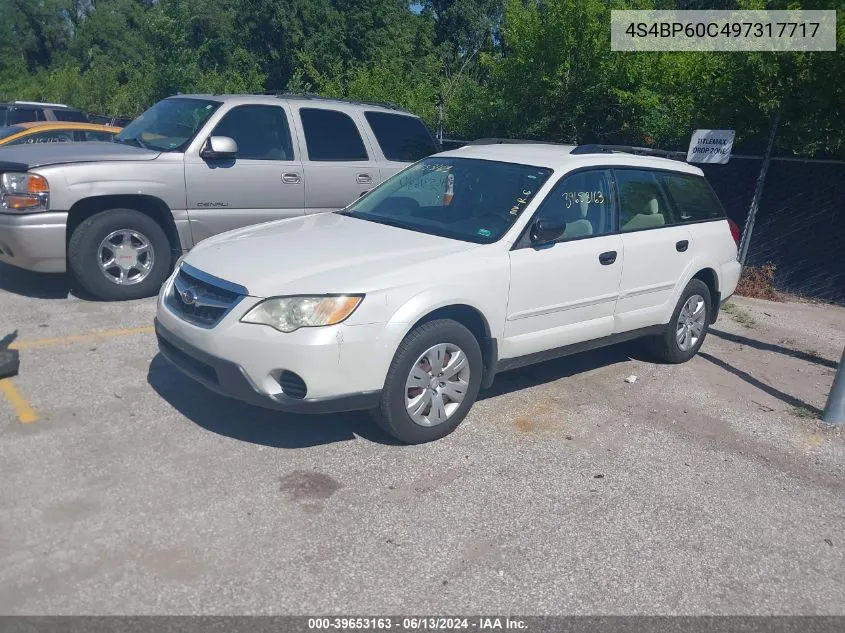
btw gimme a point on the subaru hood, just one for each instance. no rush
(322, 253)
(42, 154)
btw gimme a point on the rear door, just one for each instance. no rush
(264, 181)
(402, 139)
(657, 249)
(338, 165)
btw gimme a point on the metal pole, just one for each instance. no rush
(758, 193)
(834, 411)
(440, 121)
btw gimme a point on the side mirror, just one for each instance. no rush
(546, 230)
(219, 147)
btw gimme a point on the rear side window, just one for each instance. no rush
(92, 135)
(331, 135)
(261, 132)
(692, 198)
(3, 111)
(70, 115)
(401, 138)
(24, 115)
(642, 203)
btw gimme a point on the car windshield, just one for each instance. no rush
(169, 125)
(461, 198)
(6, 132)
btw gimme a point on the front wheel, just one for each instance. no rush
(432, 382)
(120, 254)
(684, 335)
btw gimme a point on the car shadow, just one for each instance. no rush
(552, 370)
(256, 425)
(34, 285)
(771, 347)
(241, 421)
(759, 384)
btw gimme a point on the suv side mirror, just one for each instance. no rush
(546, 230)
(219, 147)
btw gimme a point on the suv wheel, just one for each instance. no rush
(432, 382)
(686, 330)
(120, 254)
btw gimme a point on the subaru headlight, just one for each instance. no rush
(287, 314)
(24, 192)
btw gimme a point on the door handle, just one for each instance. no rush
(364, 178)
(682, 246)
(607, 258)
(291, 178)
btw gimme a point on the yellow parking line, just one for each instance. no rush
(23, 409)
(80, 338)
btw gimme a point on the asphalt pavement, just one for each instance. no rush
(711, 487)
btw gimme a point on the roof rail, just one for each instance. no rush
(41, 103)
(309, 95)
(503, 141)
(628, 149)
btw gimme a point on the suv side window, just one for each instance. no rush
(74, 116)
(692, 197)
(261, 132)
(52, 136)
(24, 115)
(642, 203)
(93, 135)
(331, 136)
(401, 138)
(584, 200)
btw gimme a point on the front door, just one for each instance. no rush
(265, 180)
(565, 292)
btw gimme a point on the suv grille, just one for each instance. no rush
(201, 299)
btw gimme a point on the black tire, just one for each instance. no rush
(392, 415)
(666, 346)
(83, 252)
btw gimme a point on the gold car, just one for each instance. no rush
(55, 132)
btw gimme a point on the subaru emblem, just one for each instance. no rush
(189, 297)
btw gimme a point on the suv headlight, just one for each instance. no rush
(24, 193)
(287, 314)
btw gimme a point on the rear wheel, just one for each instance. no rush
(120, 254)
(684, 335)
(432, 382)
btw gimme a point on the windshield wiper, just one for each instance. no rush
(382, 220)
(137, 142)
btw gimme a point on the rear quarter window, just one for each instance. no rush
(692, 198)
(401, 138)
(70, 115)
(24, 115)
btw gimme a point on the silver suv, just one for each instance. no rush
(119, 214)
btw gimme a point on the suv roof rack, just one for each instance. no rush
(503, 141)
(628, 149)
(310, 95)
(40, 103)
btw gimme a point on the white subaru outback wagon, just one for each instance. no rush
(467, 263)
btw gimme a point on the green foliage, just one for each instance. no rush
(519, 68)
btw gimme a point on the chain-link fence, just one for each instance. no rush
(800, 226)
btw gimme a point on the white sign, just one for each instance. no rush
(710, 146)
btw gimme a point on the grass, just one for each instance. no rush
(739, 315)
(805, 413)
